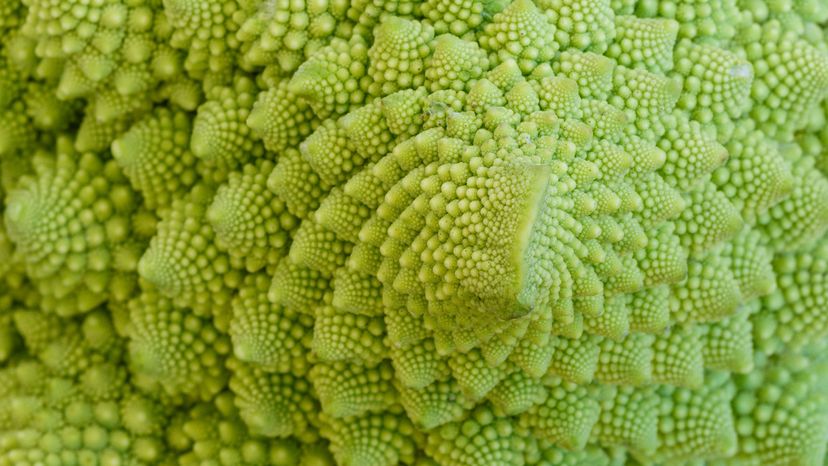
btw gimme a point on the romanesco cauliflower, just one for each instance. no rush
(438, 233)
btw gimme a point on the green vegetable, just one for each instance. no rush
(453, 233)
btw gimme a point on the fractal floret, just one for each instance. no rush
(424, 233)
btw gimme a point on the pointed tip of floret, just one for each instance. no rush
(21, 214)
(201, 143)
(156, 270)
(126, 150)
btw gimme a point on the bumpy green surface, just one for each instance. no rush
(438, 233)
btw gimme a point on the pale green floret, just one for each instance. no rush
(96, 136)
(272, 404)
(250, 221)
(369, 131)
(183, 92)
(330, 154)
(280, 118)
(813, 139)
(12, 85)
(397, 57)
(458, 17)
(626, 362)
(184, 262)
(342, 214)
(286, 36)
(728, 344)
(333, 79)
(318, 248)
(559, 95)
(522, 33)
(716, 82)
(708, 219)
(72, 223)
(220, 130)
(184, 352)
(750, 261)
(45, 111)
(205, 33)
(802, 217)
(755, 176)
(81, 406)
(551, 455)
(268, 335)
(111, 52)
(474, 375)
(298, 287)
(111, 105)
(404, 330)
(517, 393)
(697, 423)
(663, 260)
(612, 321)
(59, 420)
(649, 311)
(374, 439)
(455, 63)
(644, 96)
(678, 357)
(607, 123)
(434, 405)
(418, 364)
(644, 43)
(574, 360)
(16, 131)
(628, 419)
(346, 389)
(497, 441)
(340, 336)
(294, 180)
(154, 154)
(212, 430)
(41, 333)
(357, 292)
(793, 315)
(581, 236)
(566, 417)
(785, 396)
(709, 294)
(581, 24)
(692, 152)
(715, 21)
(592, 72)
